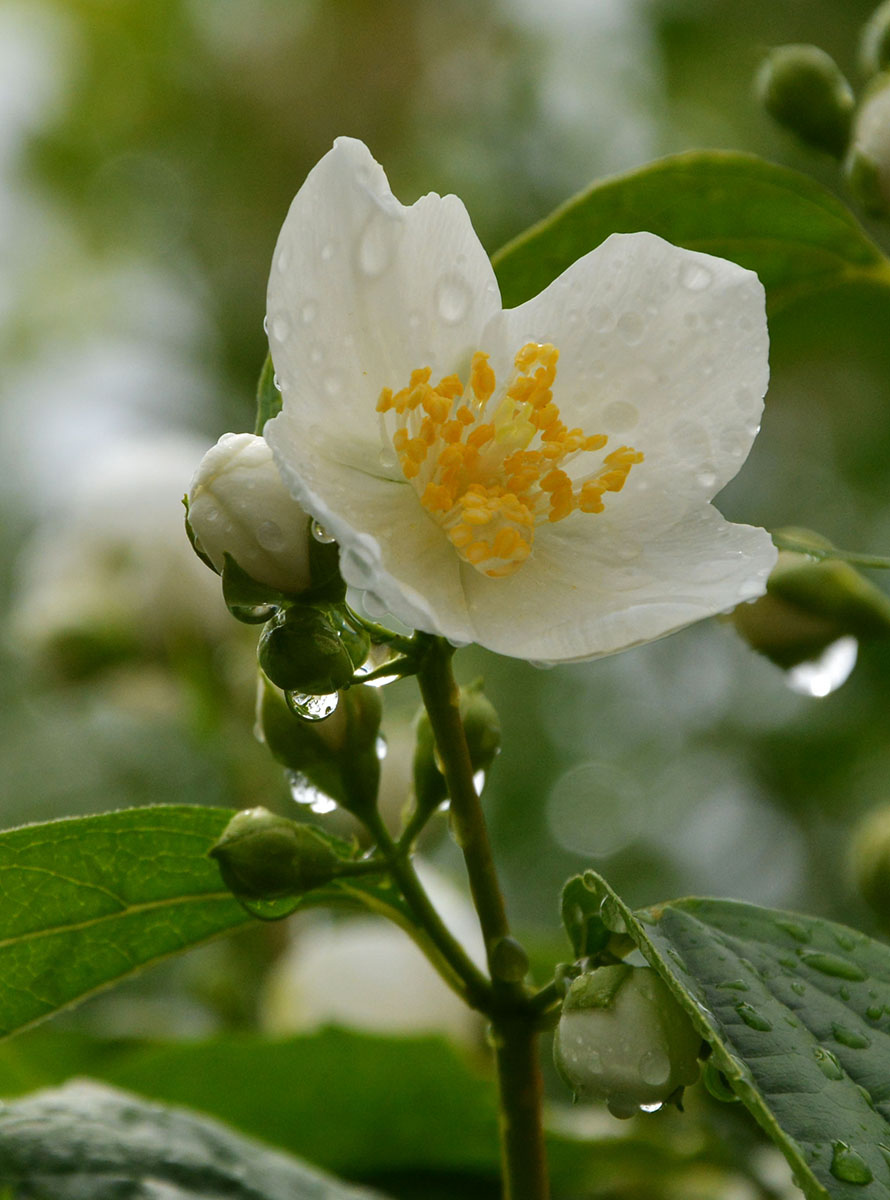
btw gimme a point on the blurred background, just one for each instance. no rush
(148, 153)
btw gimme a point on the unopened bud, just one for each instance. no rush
(870, 859)
(238, 505)
(803, 89)
(868, 162)
(482, 729)
(301, 651)
(624, 1039)
(264, 856)
(874, 46)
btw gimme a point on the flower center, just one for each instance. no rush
(490, 466)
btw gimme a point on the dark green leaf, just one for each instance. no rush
(795, 234)
(90, 1142)
(797, 1012)
(268, 397)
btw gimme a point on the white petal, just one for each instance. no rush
(363, 290)
(660, 348)
(583, 597)
(389, 545)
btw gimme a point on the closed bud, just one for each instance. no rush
(482, 729)
(238, 506)
(624, 1039)
(262, 856)
(803, 89)
(870, 859)
(874, 46)
(301, 650)
(868, 163)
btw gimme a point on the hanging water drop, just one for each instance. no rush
(828, 1063)
(380, 747)
(479, 781)
(312, 708)
(305, 793)
(276, 382)
(821, 676)
(652, 1108)
(752, 1018)
(321, 534)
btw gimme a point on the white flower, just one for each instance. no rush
(419, 428)
(239, 506)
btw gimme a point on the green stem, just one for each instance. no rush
(784, 542)
(514, 1021)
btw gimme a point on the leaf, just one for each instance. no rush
(795, 234)
(86, 1141)
(268, 397)
(797, 1012)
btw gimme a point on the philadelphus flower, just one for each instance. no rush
(239, 506)
(538, 479)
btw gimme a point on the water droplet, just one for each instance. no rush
(733, 985)
(846, 939)
(276, 382)
(706, 476)
(453, 298)
(631, 326)
(655, 1068)
(620, 416)
(312, 708)
(848, 1165)
(333, 383)
(327, 251)
(695, 277)
(479, 781)
(375, 246)
(303, 792)
(252, 614)
(601, 320)
(798, 988)
(308, 312)
(828, 1063)
(321, 534)
(282, 262)
(832, 964)
(655, 1107)
(611, 916)
(752, 1018)
(388, 458)
(280, 328)
(799, 932)
(821, 676)
(266, 323)
(270, 536)
(380, 747)
(874, 1012)
(378, 657)
(849, 1037)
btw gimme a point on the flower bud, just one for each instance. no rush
(870, 860)
(264, 856)
(874, 46)
(237, 505)
(483, 733)
(868, 162)
(301, 650)
(623, 1038)
(803, 89)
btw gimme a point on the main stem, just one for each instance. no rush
(513, 1019)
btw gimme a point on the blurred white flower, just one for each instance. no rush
(537, 480)
(365, 973)
(239, 506)
(116, 563)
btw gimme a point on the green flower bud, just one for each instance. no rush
(624, 1039)
(483, 733)
(874, 45)
(803, 89)
(870, 860)
(264, 856)
(809, 604)
(301, 650)
(868, 163)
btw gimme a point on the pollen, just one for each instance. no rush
(491, 464)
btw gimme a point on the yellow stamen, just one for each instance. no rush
(489, 466)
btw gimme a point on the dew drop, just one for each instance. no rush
(276, 382)
(611, 916)
(280, 328)
(380, 747)
(655, 1068)
(874, 1012)
(848, 1165)
(388, 458)
(333, 383)
(752, 1018)
(312, 708)
(706, 477)
(307, 794)
(655, 1107)
(453, 298)
(602, 320)
(695, 277)
(266, 323)
(270, 536)
(308, 312)
(798, 988)
(321, 534)
(479, 781)
(849, 1037)
(631, 326)
(375, 247)
(327, 251)
(833, 964)
(799, 932)
(733, 985)
(282, 262)
(828, 1063)
(821, 676)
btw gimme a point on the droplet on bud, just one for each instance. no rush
(321, 534)
(312, 708)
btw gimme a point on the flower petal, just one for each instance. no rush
(363, 290)
(583, 597)
(661, 348)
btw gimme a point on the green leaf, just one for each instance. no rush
(86, 1141)
(797, 1012)
(795, 234)
(268, 397)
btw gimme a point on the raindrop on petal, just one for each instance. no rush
(695, 277)
(321, 534)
